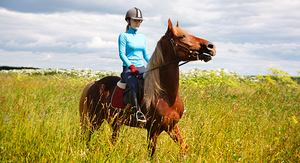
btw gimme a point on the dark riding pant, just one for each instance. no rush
(130, 79)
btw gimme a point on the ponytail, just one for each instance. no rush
(128, 24)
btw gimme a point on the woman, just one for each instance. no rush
(132, 50)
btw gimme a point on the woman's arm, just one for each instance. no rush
(146, 53)
(122, 50)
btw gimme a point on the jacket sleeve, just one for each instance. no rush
(122, 49)
(146, 53)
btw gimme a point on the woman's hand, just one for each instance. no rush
(134, 70)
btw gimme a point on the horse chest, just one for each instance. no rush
(173, 112)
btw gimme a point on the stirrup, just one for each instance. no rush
(140, 117)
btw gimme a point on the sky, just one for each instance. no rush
(251, 36)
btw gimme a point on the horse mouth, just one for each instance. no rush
(202, 56)
(210, 51)
(205, 57)
(207, 53)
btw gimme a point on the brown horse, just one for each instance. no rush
(162, 104)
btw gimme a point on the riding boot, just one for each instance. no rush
(140, 117)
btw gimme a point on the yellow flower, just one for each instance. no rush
(295, 120)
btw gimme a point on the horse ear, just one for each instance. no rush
(170, 25)
(177, 24)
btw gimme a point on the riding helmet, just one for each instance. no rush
(134, 13)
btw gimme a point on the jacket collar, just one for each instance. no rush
(131, 30)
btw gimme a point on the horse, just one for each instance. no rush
(161, 103)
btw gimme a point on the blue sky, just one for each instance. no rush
(251, 36)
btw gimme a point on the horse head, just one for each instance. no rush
(189, 47)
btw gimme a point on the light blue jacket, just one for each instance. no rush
(132, 48)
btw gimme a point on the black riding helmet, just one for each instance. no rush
(134, 13)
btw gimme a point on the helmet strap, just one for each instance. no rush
(130, 26)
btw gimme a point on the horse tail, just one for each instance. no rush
(83, 110)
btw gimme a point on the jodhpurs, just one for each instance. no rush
(130, 79)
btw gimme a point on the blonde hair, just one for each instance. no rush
(152, 80)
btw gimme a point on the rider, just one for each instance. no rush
(132, 50)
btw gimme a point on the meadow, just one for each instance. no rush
(229, 118)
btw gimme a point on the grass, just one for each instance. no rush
(228, 119)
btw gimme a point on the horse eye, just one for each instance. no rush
(181, 37)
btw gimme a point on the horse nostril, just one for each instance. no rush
(210, 46)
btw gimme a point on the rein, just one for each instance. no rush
(175, 44)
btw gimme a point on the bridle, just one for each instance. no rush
(190, 53)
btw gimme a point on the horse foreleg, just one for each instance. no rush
(176, 136)
(152, 140)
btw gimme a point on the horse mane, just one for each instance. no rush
(152, 80)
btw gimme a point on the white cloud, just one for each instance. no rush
(98, 43)
(48, 56)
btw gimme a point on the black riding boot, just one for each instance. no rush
(140, 117)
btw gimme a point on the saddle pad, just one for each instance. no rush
(121, 85)
(117, 98)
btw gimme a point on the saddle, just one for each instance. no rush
(120, 96)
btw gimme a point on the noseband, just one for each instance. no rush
(174, 44)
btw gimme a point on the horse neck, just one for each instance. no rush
(169, 75)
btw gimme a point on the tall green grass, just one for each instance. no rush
(229, 118)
